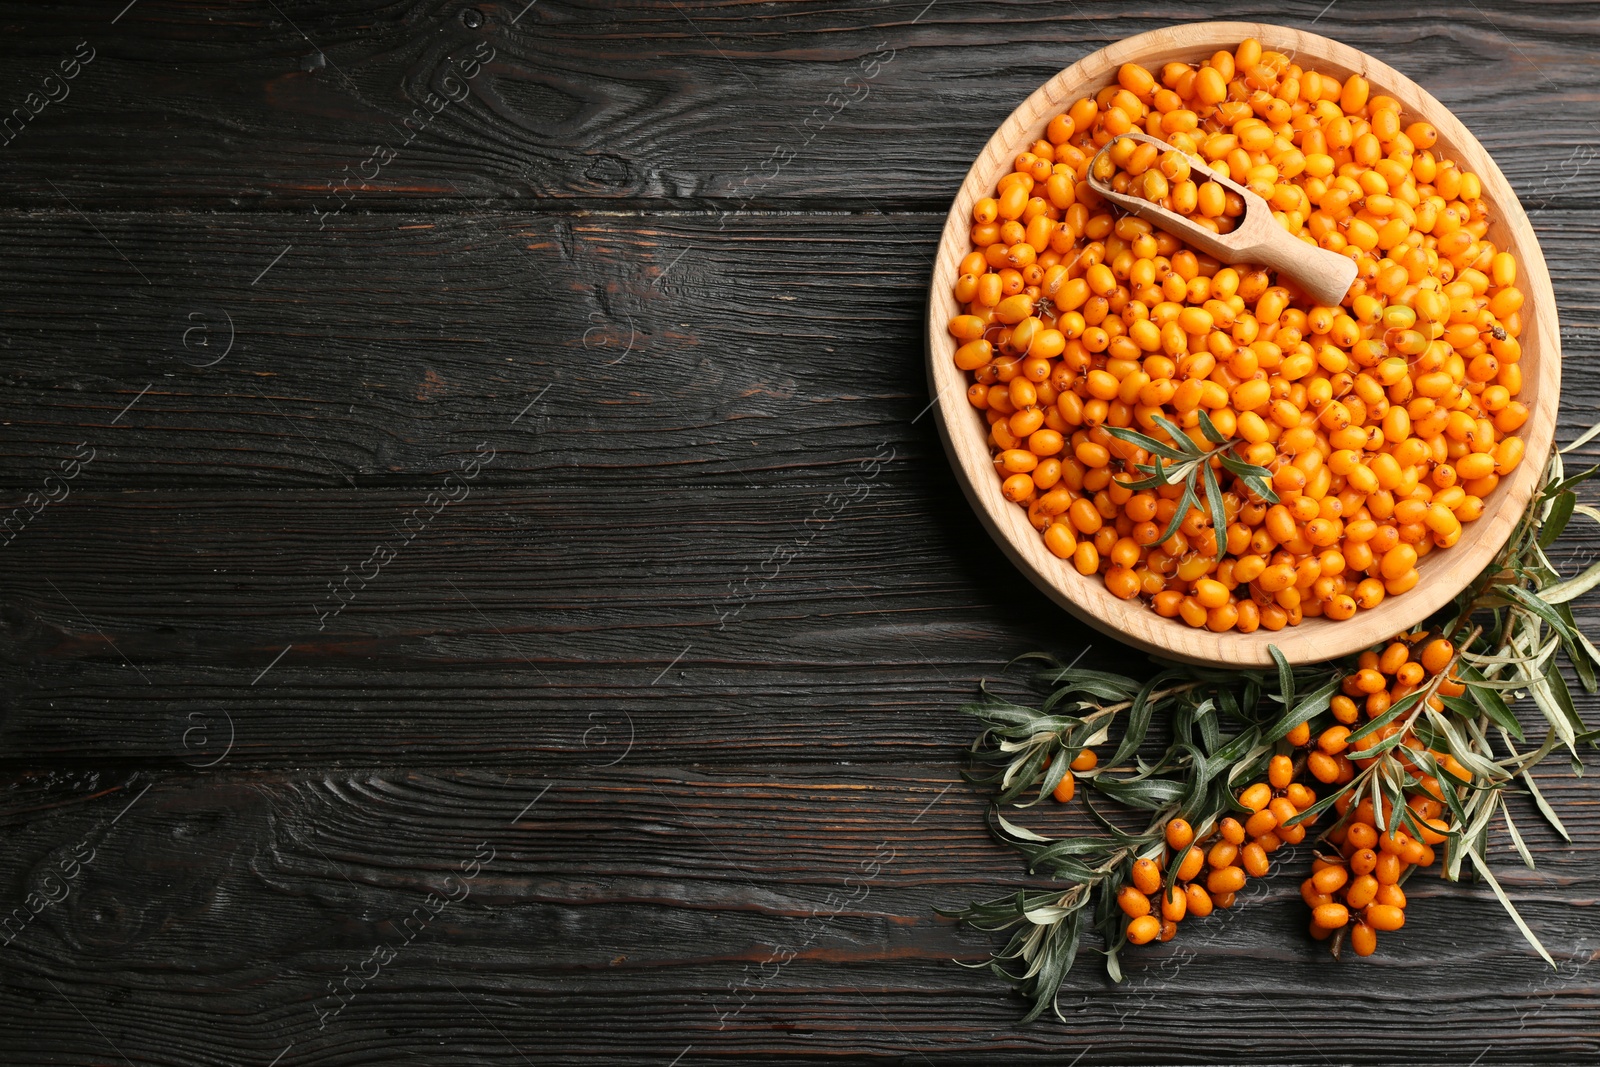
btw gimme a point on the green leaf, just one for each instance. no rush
(1185, 502)
(1209, 428)
(1490, 701)
(1529, 602)
(1151, 794)
(1382, 746)
(1307, 709)
(1021, 833)
(1205, 717)
(1556, 520)
(1516, 838)
(1219, 514)
(1505, 902)
(1545, 809)
(1059, 768)
(1285, 675)
(1582, 665)
(1139, 713)
(1318, 808)
(1146, 442)
(1023, 778)
(1583, 439)
(1397, 709)
(1253, 476)
(1102, 684)
(1181, 439)
(1564, 698)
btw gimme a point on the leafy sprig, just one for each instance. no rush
(1513, 626)
(1190, 464)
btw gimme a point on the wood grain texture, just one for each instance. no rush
(805, 931)
(212, 106)
(758, 348)
(676, 597)
(965, 433)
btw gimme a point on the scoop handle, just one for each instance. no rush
(1324, 275)
(1257, 239)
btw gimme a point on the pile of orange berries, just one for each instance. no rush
(1228, 858)
(1358, 886)
(1384, 422)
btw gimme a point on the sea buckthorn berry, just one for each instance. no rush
(1330, 879)
(1256, 797)
(1086, 760)
(1193, 863)
(1330, 916)
(1225, 880)
(1146, 876)
(1144, 929)
(1174, 904)
(1065, 789)
(1436, 656)
(1362, 890)
(1132, 902)
(1262, 822)
(1179, 833)
(1363, 939)
(1199, 901)
(1384, 916)
(1280, 772)
(1391, 895)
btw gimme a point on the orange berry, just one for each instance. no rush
(1436, 656)
(1132, 902)
(1144, 929)
(1146, 876)
(1175, 904)
(1065, 788)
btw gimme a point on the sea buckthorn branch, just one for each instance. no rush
(1190, 463)
(1397, 739)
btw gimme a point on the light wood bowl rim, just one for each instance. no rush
(1445, 573)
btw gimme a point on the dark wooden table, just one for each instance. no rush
(483, 592)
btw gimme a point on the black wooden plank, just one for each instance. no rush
(218, 908)
(268, 105)
(517, 622)
(582, 349)
(722, 760)
(613, 350)
(513, 617)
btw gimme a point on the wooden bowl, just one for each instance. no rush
(1445, 572)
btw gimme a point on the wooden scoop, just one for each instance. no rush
(1258, 239)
